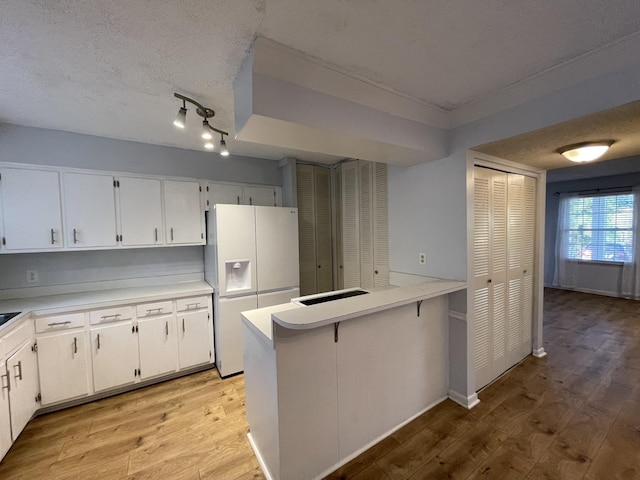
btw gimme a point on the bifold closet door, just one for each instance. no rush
(306, 229)
(504, 231)
(489, 273)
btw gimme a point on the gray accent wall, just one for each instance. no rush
(39, 146)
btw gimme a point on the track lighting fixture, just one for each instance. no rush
(207, 130)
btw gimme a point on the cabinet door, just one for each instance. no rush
(194, 338)
(114, 349)
(31, 209)
(23, 376)
(90, 211)
(262, 196)
(224, 193)
(63, 365)
(140, 211)
(158, 343)
(5, 418)
(183, 215)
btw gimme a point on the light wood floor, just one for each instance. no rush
(572, 415)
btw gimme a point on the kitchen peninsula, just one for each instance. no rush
(327, 381)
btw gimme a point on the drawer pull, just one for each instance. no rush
(115, 317)
(151, 310)
(19, 366)
(194, 305)
(57, 324)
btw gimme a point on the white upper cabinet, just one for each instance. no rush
(140, 211)
(90, 212)
(184, 219)
(228, 193)
(31, 209)
(262, 196)
(223, 193)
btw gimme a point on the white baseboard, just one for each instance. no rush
(539, 352)
(467, 402)
(256, 452)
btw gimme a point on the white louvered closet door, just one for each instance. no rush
(380, 226)
(339, 256)
(489, 273)
(306, 229)
(528, 263)
(350, 224)
(324, 261)
(366, 225)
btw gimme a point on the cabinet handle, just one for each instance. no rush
(172, 234)
(75, 236)
(19, 375)
(250, 201)
(53, 237)
(98, 341)
(156, 232)
(8, 385)
(55, 324)
(75, 345)
(238, 199)
(166, 327)
(183, 325)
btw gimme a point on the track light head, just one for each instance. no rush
(223, 148)
(206, 130)
(180, 117)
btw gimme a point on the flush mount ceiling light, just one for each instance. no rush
(586, 151)
(207, 130)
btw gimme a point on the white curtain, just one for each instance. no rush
(566, 269)
(630, 285)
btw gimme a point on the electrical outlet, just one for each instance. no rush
(422, 258)
(32, 276)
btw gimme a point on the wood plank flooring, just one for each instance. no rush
(572, 415)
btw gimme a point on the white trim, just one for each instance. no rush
(256, 452)
(458, 315)
(467, 402)
(489, 161)
(539, 352)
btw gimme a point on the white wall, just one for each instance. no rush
(594, 278)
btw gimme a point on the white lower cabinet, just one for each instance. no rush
(158, 344)
(64, 365)
(194, 338)
(5, 416)
(114, 351)
(22, 367)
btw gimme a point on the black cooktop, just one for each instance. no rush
(5, 317)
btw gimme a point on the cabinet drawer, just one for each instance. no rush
(192, 303)
(154, 309)
(18, 336)
(59, 322)
(110, 315)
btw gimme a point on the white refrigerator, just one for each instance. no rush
(251, 260)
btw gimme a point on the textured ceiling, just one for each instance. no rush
(110, 68)
(539, 147)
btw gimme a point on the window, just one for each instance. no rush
(598, 228)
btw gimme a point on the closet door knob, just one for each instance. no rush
(489, 281)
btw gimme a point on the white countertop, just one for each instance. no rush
(300, 317)
(53, 304)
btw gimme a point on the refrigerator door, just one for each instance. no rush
(277, 298)
(235, 246)
(277, 248)
(228, 332)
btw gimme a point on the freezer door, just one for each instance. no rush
(235, 246)
(277, 298)
(277, 248)
(228, 332)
